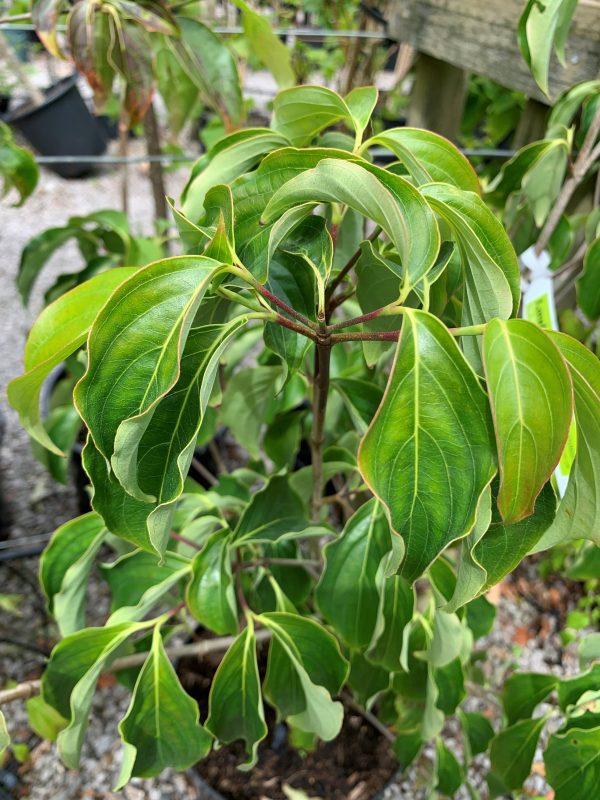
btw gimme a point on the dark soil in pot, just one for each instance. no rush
(61, 126)
(357, 765)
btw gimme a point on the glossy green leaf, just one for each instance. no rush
(493, 548)
(306, 669)
(570, 690)
(266, 45)
(572, 763)
(132, 574)
(36, 253)
(348, 593)
(512, 751)
(417, 454)
(532, 406)
(160, 728)
(210, 595)
(489, 262)
(70, 678)
(60, 330)
(376, 288)
(154, 309)
(65, 567)
(387, 199)
(588, 284)
(361, 102)
(578, 514)
(235, 702)
(523, 691)
(450, 681)
(362, 399)
(44, 720)
(303, 111)
(428, 157)
(233, 156)
(153, 596)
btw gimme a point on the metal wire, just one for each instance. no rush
(232, 30)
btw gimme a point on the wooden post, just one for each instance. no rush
(532, 125)
(439, 96)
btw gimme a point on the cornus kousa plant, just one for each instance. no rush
(354, 330)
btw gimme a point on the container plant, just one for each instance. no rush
(387, 299)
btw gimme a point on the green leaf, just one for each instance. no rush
(588, 284)
(65, 567)
(417, 454)
(491, 271)
(540, 27)
(579, 511)
(396, 610)
(361, 102)
(348, 593)
(70, 677)
(512, 751)
(209, 63)
(60, 330)
(532, 406)
(450, 681)
(523, 691)
(449, 772)
(366, 679)
(43, 719)
(131, 575)
(305, 668)
(387, 199)
(150, 598)
(245, 402)
(231, 157)
(177, 89)
(160, 728)
(362, 399)
(571, 689)
(18, 167)
(266, 45)
(572, 763)
(428, 157)
(36, 253)
(478, 729)
(235, 702)
(303, 111)
(63, 425)
(4, 737)
(210, 595)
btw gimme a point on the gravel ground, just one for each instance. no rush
(33, 504)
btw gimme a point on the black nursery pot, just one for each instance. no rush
(62, 126)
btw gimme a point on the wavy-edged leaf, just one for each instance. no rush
(65, 566)
(60, 329)
(231, 157)
(493, 548)
(92, 37)
(542, 26)
(305, 668)
(348, 594)
(418, 455)
(70, 677)
(428, 157)
(531, 397)
(387, 199)
(235, 702)
(160, 728)
(136, 344)
(210, 594)
(578, 514)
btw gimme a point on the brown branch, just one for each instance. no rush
(317, 439)
(375, 336)
(348, 323)
(583, 162)
(31, 688)
(271, 298)
(370, 717)
(286, 323)
(184, 540)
